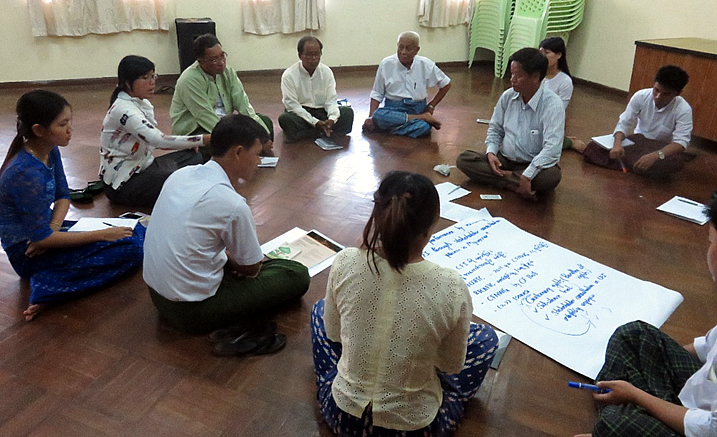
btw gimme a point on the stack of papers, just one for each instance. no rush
(95, 224)
(268, 161)
(685, 209)
(328, 144)
(312, 249)
(607, 141)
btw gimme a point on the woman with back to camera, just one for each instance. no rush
(132, 175)
(34, 200)
(395, 352)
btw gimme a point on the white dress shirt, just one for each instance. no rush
(396, 329)
(396, 82)
(197, 217)
(671, 124)
(699, 394)
(528, 132)
(299, 90)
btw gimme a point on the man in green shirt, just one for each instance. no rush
(209, 89)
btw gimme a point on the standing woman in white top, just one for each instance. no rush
(395, 352)
(558, 78)
(132, 175)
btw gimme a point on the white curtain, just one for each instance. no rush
(82, 17)
(444, 13)
(263, 17)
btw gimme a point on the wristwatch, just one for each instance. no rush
(660, 154)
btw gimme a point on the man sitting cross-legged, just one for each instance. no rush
(308, 90)
(402, 80)
(202, 259)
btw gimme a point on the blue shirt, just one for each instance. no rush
(28, 188)
(528, 132)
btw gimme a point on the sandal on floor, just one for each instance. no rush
(95, 187)
(276, 344)
(239, 329)
(80, 196)
(257, 341)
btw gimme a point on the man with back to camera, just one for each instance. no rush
(308, 90)
(202, 258)
(401, 82)
(209, 89)
(662, 121)
(525, 134)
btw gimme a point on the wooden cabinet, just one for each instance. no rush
(698, 57)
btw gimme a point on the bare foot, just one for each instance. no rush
(428, 118)
(578, 145)
(33, 310)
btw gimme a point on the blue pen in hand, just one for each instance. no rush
(592, 387)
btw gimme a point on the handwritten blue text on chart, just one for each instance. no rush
(514, 278)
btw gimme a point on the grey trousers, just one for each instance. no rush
(475, 165)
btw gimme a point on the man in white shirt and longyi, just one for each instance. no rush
(308, 91)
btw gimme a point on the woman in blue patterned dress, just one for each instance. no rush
(34, 199)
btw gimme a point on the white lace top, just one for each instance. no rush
(396, 330)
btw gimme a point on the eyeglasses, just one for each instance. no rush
(218, 59)
(150, 76)
(314, 55)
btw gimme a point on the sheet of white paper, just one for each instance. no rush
(458, 213)
(607, 141)
(560, 303)
(685, 209)
(448, 191)
(96, 224)
(269, 161)
(295, 234)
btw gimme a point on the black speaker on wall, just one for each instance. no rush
(188, 29)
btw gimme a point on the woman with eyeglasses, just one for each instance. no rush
(132, 175)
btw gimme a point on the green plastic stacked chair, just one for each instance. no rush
(533, 20)
(490, 22)
(563, 17)
(526, 28)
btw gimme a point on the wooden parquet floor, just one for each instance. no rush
(105, 366)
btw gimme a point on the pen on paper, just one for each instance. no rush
(592, 387)
(689, 202)
(453, 190)
(109, 224)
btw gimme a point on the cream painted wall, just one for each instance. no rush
(602, 49)
(359, 32)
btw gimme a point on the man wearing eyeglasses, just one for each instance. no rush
(208, 90)
(308, 90)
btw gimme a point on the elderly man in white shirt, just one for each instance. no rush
(662, 122)
(657, 387)
(308, 92)
(402, 80)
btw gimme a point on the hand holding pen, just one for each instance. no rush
(591, 387)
